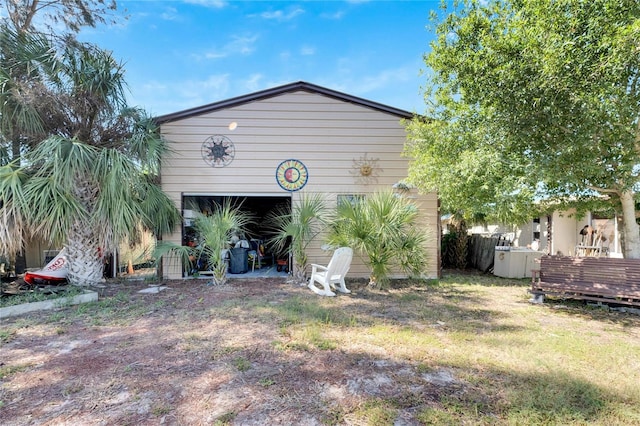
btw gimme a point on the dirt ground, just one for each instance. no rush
(191, 354)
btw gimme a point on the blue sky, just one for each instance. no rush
(184, 54)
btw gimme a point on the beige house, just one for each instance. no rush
(269, 147)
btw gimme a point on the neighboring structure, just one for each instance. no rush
(269, 147)
(559, 233)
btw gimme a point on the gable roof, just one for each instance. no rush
(275, 91)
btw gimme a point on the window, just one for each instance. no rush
(349, 198)
(536, 229)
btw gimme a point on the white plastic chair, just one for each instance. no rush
(332, 274)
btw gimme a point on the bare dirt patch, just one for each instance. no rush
(252, 352)
(189, 354)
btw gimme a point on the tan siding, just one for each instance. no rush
(34, 253)
(320, 162)
(314, 143)
(328, 135)
(318, 128)
(268, 117)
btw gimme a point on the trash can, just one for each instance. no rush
(239, 260)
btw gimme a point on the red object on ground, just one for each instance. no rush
(282, 264)
(54, 273)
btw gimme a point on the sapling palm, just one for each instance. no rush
(215, 232)
(294, 228)
(383, 229)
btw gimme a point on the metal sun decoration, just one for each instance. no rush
(218, 151)
(365, 169)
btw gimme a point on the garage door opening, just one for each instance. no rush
(259, 257)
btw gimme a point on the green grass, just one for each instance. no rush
(119, 309)
(39, 296)
(375, 413)
(242, 364)
(7, 335)
(8, 370)
(115, 310)
(518, 363)
(225, 419)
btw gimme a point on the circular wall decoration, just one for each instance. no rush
(292, 175)
(218, 151)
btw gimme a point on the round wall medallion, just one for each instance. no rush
(292, 175)
(218, 151)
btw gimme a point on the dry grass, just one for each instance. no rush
(470, 349)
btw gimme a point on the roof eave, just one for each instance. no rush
(275, 91)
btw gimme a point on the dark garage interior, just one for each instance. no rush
(257, 233)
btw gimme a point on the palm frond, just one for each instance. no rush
(146, 144)
(24, 60)
(12, 222)
(297, 226)
(52, 208)
(383, 229)
(215, 232)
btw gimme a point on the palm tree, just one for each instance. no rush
(215, 232)
(294, 228)
(92, 181)
(383, 228)
(25, 60)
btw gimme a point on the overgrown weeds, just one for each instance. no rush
(39, 295)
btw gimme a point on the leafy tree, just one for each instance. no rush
(50, 16)
(93, 180)
(383, 228)
(532, 100)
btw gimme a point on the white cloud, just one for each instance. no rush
(344, 65)
(238, 45)
(307, 50)
(154, 86)
(189, 88)
(281, 16)
(385, 78)
(253, 82)
(242, 44)
(215, 4)
(214, 55)
(218, 83)
(170, 14)
(285, 55)
(202, 92)
(335, 16)
(368, 86)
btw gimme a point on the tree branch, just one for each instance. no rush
(604, 190)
